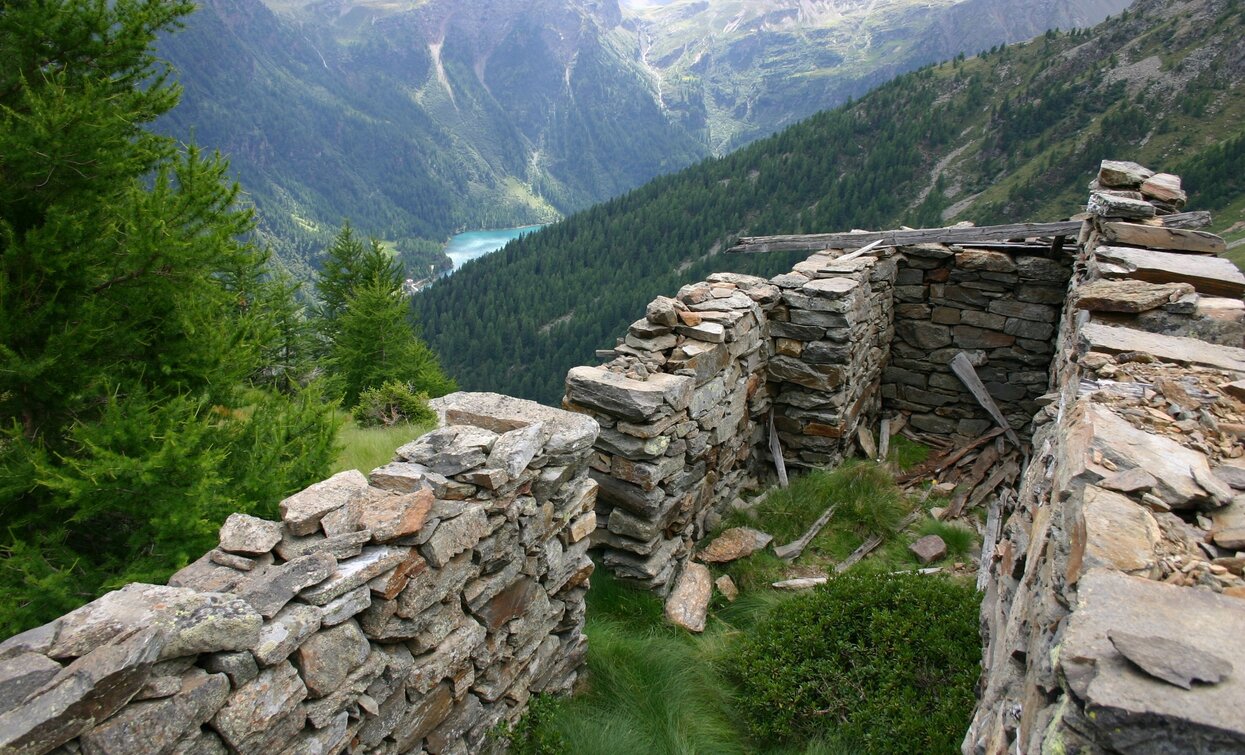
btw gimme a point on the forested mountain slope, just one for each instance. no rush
(1014, 135)
(416, 119)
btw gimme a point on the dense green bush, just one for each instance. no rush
(886, 662)
(391, 404)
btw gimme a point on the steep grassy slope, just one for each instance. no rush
(1013, 135)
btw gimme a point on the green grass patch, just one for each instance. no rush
(905, 453)
(365, 448)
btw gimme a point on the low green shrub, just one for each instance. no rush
(886, 663)
(393, 403)
(534, 733)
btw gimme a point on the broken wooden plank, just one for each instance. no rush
(865, 549)
(938, 463)
(792, 550)
(1214, 276)
(884, 439)
(958, 235)
(775, 450)
(981, 467)
(865, 439)
(1155, 237)
(862, 251)
(800, 583)
(1007, 472)
(990, 541)
(967, 374)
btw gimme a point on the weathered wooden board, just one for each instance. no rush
(965, 235)
(1215, 276)
(964, 370)
(1176, 239)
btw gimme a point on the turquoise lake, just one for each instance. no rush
(472, 244)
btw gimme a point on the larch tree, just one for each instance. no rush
(134, 320)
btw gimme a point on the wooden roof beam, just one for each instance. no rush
(957, 235)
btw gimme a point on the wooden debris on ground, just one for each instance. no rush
(865, 439)
(964, 370)
(775, 449)
(791, 551)
(884, 440)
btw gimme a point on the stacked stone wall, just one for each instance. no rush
(1115, 602)
(999, 308)
(409, 611)
(678, 407)
(832, 337)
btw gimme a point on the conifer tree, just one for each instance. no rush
(134, 321)
(372, 340)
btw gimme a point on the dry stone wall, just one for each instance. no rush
(411, 610)
(999, 308)
(1115, 605)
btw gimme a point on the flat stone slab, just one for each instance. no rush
(688, 604)
(1214, 276)
(1095, 429)
(1173, 661)
(249, 535)
(1125, 705)
(734, 544)
(620, 396)
(1122, 174)
(929, 549)
(1117, 533)
(1178, 239)
(1131, 296)
(193, 622)
(1113, 340)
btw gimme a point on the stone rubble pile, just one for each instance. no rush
(1000, 308)
(675, 407)
(412, 610)
(1116, 602)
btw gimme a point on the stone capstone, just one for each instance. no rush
(242, 533)
(303, 511)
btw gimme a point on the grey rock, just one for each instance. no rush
(629, 399)
(568, 432)
(329, 656)
(22, 674)
(1129, 481)
(355, 572)
(329, 740)
(454, 650)
(157, 726)
(515, 449)
(688, 604)
(1121, 174)
(456, 535)
(263, 712)
(269, 592)
(1231, 475)
(1110, 206)
(1024, 310)
(239, 666)
(710, 332)
(346, 545)
(1130, 707)
(84, 693)
(242, 533)
(661, 311)
(923, 335)
(426, 712)
(286, 632)
(1173, 661)
(341, 608)
(37, 640)
(403, 477)
(303, 511)
(192, 622)
(450, 450)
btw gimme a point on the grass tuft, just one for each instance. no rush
(365, 449)
(960, 540)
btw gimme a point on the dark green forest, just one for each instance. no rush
(1021, 128)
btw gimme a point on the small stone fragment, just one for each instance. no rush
(727, 587)
(303, 511)
(929, 549)
(1129, 481)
